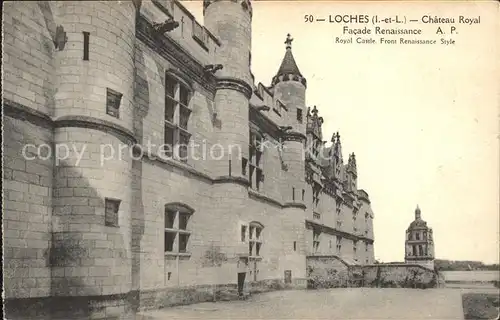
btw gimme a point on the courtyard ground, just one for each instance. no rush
(342, 303)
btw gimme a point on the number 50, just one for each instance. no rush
(308, 18)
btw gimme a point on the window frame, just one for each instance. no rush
(177, 115)
(316, 241)
(116, 215)
(300, 115)
(113, 103)
(255, 160)
(255, 241)
(177, 231)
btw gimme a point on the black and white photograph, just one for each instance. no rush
(238, 159)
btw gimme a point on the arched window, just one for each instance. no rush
(177, 233)
(255, 238)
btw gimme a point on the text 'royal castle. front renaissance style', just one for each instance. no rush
(120, 190)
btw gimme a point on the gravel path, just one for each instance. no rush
(355, 303)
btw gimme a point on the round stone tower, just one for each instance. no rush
(419, 244)
(290, 89)
(91, 251)
(231, 22)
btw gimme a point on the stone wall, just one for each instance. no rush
(27, 208)
(394, 276)
(327, 272)
(333, 272)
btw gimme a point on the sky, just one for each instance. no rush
(421, 119)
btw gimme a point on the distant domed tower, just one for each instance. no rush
(419, 244)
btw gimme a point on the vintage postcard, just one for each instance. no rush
(237, 159)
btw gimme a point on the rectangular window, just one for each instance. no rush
(170, 87)
(170, 105)
(250, 248)
(303, 194)
(295, 246)
(316, 236)
(111, 212)
(170, 134)
(293, 194)
(252, 170)
(339, 244)
(256, 176)
(183, 242)
(200, 35)
(169, 241)
(250, 234)
(257, 249)
(251, 152)
(259, 177)
(184, 138)
(183, 221)
(258, 157)
(177, 114)
(243, 233)
(170, 218)
(299, 115)
(183, 95)
(417, 235)
(244, 166)
(86, 37)
(184, 117)
(176, 233)
(113, 100)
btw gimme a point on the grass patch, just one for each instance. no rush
(480, 305)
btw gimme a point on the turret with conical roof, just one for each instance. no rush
(289, 71)
(289, 89)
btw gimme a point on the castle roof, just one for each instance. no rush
(418, 223)
(288, 65)
(288, 69)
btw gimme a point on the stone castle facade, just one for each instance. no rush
(92, 218)
(419, 243)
